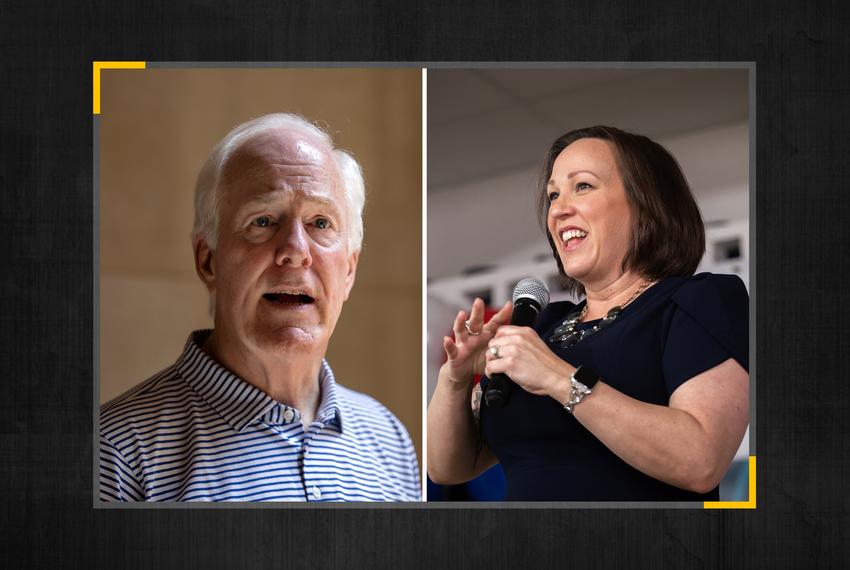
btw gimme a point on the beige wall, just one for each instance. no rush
(156, 129)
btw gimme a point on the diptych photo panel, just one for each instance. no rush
(362, 286)
(260, 285)
(588, 273)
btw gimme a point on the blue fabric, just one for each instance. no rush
(677, 329)
(197, 432)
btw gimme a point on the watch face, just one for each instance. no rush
(586, 376)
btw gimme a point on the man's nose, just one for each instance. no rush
(293, 247)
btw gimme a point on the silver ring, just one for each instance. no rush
(494, 351)
(469, 330)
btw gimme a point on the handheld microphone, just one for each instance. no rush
(530, 297)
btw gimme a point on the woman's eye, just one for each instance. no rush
(583, 186)
(261, 222)
(553, 196)
(322, 223)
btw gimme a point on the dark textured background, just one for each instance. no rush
(46, 297)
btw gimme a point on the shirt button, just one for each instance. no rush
(288, 415)
(317, 493)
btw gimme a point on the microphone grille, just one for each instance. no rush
(534, 289)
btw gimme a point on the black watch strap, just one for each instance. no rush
(586, 375)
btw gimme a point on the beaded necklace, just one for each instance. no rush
(567, 334)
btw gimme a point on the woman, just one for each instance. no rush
(640, 391)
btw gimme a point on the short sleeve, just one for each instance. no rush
(415, 493)
(709, 324)
(118, 481)
(410, 481)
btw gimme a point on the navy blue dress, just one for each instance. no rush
(677, 329)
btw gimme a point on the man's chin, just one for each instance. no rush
(288, 337)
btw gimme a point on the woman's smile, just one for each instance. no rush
(572, 237)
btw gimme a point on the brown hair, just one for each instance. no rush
(668, 235)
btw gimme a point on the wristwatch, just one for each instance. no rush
(582, 382)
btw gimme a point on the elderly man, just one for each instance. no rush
(251, 410)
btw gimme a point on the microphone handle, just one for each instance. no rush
(499, 388)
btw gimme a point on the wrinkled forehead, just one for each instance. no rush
(288, 157)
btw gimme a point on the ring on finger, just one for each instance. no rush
(494, 351)
(469, 329)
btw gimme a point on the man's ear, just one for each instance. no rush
(352, 272)
(204, 262)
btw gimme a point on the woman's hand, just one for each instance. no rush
(526, 359)
(466, 352)
(454, 451)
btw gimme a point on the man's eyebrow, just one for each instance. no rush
(323, 200)
(269, 197)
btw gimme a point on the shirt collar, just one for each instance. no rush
(237, 401)
(329, 411)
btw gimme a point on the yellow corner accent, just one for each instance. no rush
(97, 66)
(748, 504)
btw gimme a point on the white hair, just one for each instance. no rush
(208, 189)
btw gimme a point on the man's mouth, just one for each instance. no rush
(294, 298)
(572, 238)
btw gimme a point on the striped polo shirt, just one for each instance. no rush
(197, 432)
